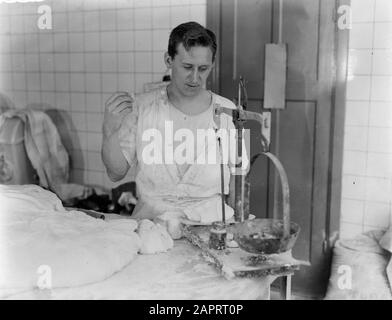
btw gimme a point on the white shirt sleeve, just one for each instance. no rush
(127, 134)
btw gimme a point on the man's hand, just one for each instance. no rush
(117, 107)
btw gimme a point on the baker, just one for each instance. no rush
(165, 134)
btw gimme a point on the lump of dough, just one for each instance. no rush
(208, 211)
(171, 220)
(39, 237)
(154, 237)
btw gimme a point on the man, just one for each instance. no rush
(133, 127)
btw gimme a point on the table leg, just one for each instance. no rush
(285, 287)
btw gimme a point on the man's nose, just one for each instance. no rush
(195, 75)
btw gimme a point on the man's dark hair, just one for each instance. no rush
(191, 34)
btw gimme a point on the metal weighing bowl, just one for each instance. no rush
(264, 236)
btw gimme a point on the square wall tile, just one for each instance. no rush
(33, 81)
(108, 20)
(92, 62)
(19, 81)
(380, 140)
(79, 123)
(94, 122)
(47, 81)
(349, 230)
(93, 82)
(62, 82)
(126, 82)
(32, 62)
(179, 15)
(355, 138)
(160, 3)
(161, 17)
(34, 97)
(46, 62)
(198, 13)
(31, 42)
(357, 113)
(125, 62)
(75, 21)
(91, 41)
(76, 62)
(94, 102)
(125, 19)
(109, 82)
(125, 40)
(378, 189)
(95, 161)
(61, 62)
(160, 39)
(141, 3)
(143, 18)
(361, 36)
(383, 35)
(158, 64)
(379, 165)
(94, 141)
(382, 62)
(60, 21)
(354, 162)
(63, 100)
(381, 88)
(362, 10)
(143, 41)
(78, 102)
(179, 2)
(76, 42)
(108, 41)
(383, 10)
(353, 187)
(352, 211)
(377, 214)
(380, 114)
(143, 62)
(109, 62)
(77, 82)
(358, 88)
(360, 62)
(60, 42)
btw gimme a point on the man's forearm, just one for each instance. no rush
(115, 162)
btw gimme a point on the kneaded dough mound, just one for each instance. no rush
(154, 237)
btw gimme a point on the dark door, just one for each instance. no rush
(301, 133)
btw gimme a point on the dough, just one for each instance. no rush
(208, 211)
(40, 238)
(171, 220)
(154, 237)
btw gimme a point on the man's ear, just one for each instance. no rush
(168, 60)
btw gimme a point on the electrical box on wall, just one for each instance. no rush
(275, 76)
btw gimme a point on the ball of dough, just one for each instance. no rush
(154, 237)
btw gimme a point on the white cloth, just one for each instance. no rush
(161, 187)
(386, 243)
(43, 244)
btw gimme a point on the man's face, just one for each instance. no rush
(190, 69)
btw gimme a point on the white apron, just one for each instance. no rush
(197, 193)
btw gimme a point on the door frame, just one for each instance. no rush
(337, 119)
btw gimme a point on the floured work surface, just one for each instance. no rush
(179, 274)
(235, 262)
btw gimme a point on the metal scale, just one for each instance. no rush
(264, 245)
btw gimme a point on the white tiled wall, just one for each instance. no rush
(367, 163)
(95, 47)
